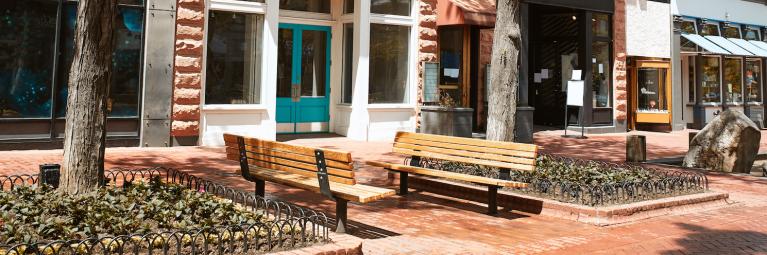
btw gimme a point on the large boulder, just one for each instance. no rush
(729, 143)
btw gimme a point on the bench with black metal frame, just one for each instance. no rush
(503, 156)
(328, 172)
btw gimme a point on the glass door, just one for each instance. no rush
(303, 78)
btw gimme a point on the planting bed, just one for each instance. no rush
(154, 210)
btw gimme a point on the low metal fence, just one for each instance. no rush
(624, 182)
(289, 226)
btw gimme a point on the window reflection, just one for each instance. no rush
(233, 64)
(600, 25)
(321, 6)
(731, 32)
(125, 87)
(601, 74)
(393, 7)
(709, 29)
(652, 90)
(751, 33)
(733, 74)
(388, 63)
(710, 80)
(754, 80)
(348, 62)
(26, 57)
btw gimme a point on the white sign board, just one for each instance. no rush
(575, 93)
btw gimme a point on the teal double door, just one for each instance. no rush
(303, 78)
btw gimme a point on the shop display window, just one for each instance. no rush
(709, 29)
(233, 65)
(652, 90)
(601, 77)
(389, 64)
(733, 80)
(751, 33)
(691, 80)
(753, 88)
(710, 80)
(348, 63)
(731, 32)
(600, 25)
(26, 58)
(393, 7)
(348, 6)
(321, 6)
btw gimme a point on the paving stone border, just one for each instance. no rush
(600, 216)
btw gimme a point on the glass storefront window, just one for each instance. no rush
(393, 7)
(348, 63)
(688, 27)
(26, 58)
(389, 63)
(314, 63)
(652, 90)
(750, 33)
(232, 72)
(321, 6)
(125, 89)
(348, 6)
(709, 29)
(450, 54)
(710, 82)
(753, 80)
(731, 32)
(691, 79)
(733, 80)
(600, 25)
(601, 73)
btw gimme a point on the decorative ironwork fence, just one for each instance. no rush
(289, 226)
(589, 182)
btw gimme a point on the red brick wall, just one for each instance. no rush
(620, 82)
(187, 83)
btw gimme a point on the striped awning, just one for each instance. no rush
(705, 44)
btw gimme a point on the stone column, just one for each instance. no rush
(187, 84)
(620, 80)
(428, 42)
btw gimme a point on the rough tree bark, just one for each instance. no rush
(504, 73)
(84, 141)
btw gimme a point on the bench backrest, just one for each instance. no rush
(509, 155)
(291, 158)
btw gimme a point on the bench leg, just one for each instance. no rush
(341, 213)
(403, 183)
(492, 200)
(261, 188)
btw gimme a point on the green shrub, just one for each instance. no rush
(39, 213)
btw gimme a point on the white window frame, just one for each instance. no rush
(726, 25)
(239, 7)
(755, 28)
(709, 22)
(411, 22)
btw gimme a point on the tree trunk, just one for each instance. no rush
(83, 168)
(504, 73)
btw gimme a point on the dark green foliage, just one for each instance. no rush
(39, 213)
(563, 170)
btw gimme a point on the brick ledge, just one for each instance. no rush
(600, 216)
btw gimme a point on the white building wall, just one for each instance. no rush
(648, 29)
(723, 10)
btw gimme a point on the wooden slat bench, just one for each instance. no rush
(327, 172)
(501, 155)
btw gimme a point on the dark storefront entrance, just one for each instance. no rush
(36, 51)
(558, 34)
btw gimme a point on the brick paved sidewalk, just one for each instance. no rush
(426, 223)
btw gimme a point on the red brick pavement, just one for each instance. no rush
(426, 223)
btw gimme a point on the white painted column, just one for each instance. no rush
(359, 119)
(269, 68)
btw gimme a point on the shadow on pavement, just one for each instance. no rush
(703, 240)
